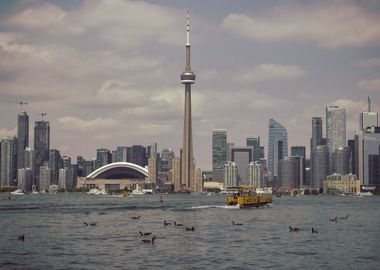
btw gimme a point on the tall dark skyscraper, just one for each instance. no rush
(103, 157)
(22, 137)
(219, 154)
(137, 155)
(41, 146)
(352, 149)
(8, 159)
(55, 163)
(187, 78)
(320, 166)
(316, 133)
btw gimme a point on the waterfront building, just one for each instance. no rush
(22, 137)
(277, 148)
(316, 133)
(152, 170)
(45, 179)
(62, 176)
(368, 119)
(257, 149)
(230, 174)
(338, 183)
(55, 163)
(256, 173)
(291, 172)
(352, 158)
(176, 168)
(187, 78)
(30, 160)
(374, 170)
(41, 146)
(341, 160)
(8, 162)
(242, 156)
(103, 157)
(25, 179)
(368, 142)
(198, 181)
(219, 154)
(320, 166)
(335, 130)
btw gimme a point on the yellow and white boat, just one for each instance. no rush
(247, 198)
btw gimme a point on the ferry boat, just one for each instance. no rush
(247, 198)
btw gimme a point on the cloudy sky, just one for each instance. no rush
(107, 72)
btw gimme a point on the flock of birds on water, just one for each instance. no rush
(174, 223)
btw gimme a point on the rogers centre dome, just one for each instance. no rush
(119, 170)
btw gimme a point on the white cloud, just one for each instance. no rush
(266, 72)
(335, 24)
(119, 23)
(368, 63)
(4, 133)
(373, 84)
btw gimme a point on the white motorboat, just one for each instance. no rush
(363, 194)
(17, 192)
(93, 191)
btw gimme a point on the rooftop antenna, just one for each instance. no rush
(43, 114)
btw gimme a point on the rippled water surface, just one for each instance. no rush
(55, 237)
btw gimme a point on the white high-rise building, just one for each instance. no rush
(335, 127)
(230, 174)
(256, 174)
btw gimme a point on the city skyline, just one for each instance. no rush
(94, 86)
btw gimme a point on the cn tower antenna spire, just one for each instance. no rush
(188, 29)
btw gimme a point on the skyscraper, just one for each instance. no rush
(121, 154)
(22, 137)
(341, 160)
(187, 78)
(103, 157)
(256, 174)
(290, 173)
(242, 156)
(137, 155)
(368, 142)
(219, 154)
(230, 174)
(335, 130)
(368, 118)
(41, 146)
(277, 147)
(55, 163)
(320, 166)
(316, 133)
(8, 169)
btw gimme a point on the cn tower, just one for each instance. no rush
(187, 78)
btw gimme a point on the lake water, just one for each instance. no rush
(55, 237)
